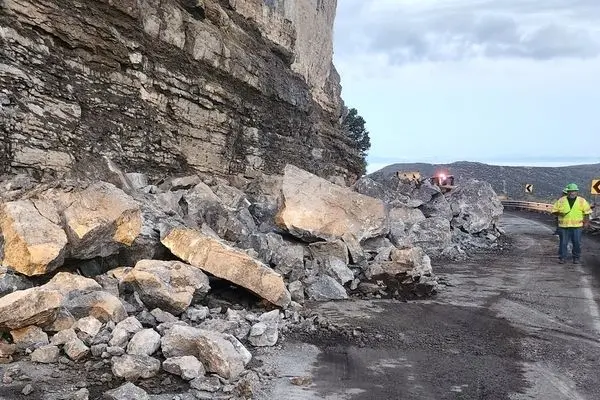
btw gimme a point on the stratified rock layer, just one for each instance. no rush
(164, 86)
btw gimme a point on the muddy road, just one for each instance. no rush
(512, 326)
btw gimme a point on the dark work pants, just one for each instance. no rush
(567, 235)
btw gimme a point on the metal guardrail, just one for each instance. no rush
(527, 205)
(539, 207)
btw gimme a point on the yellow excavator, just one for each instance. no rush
(444, 181)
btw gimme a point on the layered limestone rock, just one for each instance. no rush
(217, 258)
(227, 87)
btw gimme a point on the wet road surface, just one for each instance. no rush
(512, 326)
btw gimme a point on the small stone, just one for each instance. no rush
(81, 394)
(63, 337)
(129, 324)
(197, 314)
(266, 331)
(228, 388)
(97, 366)
(45, 354)
(30, 336)
(206, 384)
(119, 338)
(144, 342)
(147, 319)
(98, 349)
(76, 349)
(296, 290)
(127, 391)
(133, 367)
(87, 328)
(163, 316)
(27, 390)
(301, 380)
(187, 367)
(103, 337)
(165, 326)
(115, 351)
(7, 350)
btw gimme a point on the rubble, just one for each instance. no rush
(189, 310)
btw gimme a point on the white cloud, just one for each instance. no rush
(453, 30)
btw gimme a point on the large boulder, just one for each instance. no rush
(432, 234)
(168, 285)
(35, 306)
(402, 219)
(314, 208)
(411, 261)
(223, 261)
(101, 220)
(34, 241)
(324, 288)
(217, 354)
(437, 207)
(65, 283)
(385, 193)
(475, 206)
(324, 250)
(96, 303)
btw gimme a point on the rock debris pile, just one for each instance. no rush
(175, 282)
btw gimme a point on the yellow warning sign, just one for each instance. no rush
(596, 186)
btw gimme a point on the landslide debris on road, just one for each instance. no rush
(144, 289)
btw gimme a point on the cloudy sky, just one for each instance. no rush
(514, 82)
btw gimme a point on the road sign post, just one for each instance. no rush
(595, 190)
(596, 186)
(529, 188)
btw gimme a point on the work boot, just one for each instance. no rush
(576, 261)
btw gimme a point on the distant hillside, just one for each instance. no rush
(548, 181)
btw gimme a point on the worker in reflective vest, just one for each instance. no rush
(564, 192)
(573, 215)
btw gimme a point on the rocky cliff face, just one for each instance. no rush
(162, 86)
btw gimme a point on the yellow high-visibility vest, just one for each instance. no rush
(574, 215)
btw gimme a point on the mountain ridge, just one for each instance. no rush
(547, 182)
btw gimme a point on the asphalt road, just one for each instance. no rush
(511, 326)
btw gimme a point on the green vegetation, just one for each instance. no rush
(354, 126)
